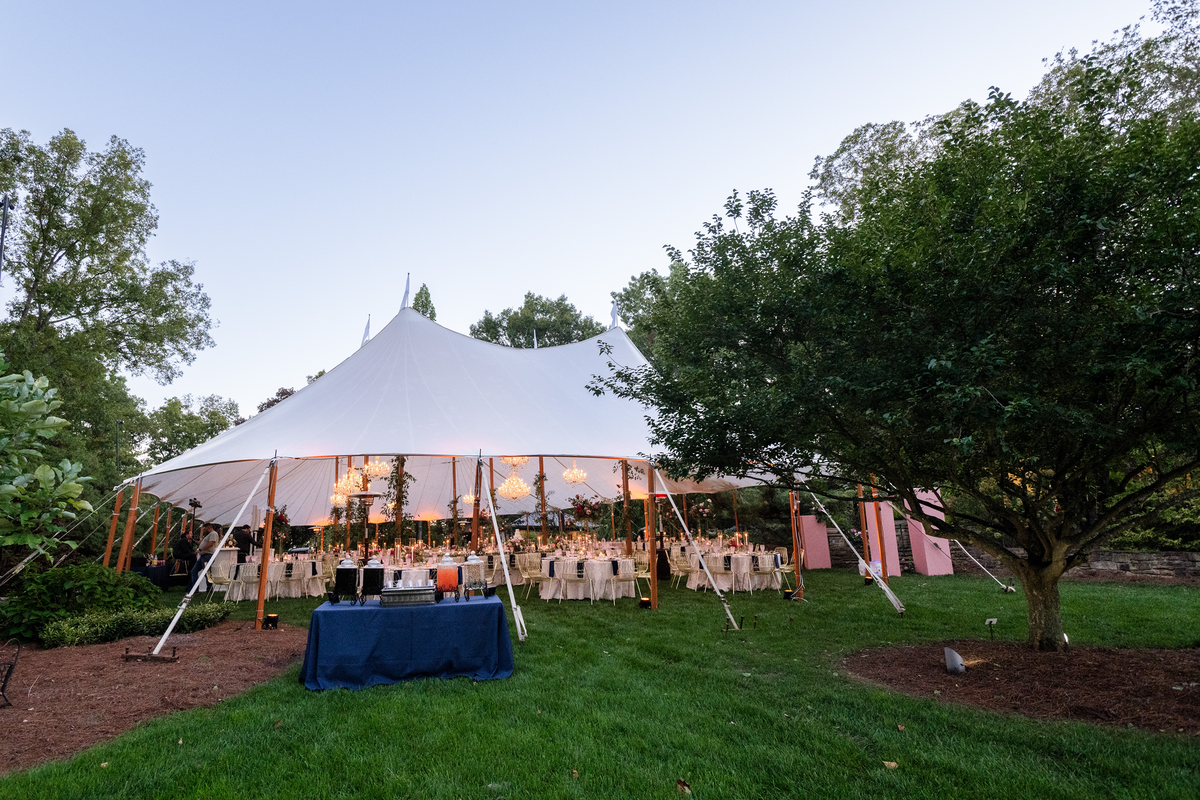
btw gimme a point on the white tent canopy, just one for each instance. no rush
(436, 397)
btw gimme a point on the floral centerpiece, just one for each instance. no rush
(584, 508)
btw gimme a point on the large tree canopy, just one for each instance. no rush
(77, 256)
(1011, 317)
(182, 423)
(88, 305)
(552, 322)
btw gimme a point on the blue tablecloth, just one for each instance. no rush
(352, 647)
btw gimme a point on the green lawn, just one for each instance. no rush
(632, 700)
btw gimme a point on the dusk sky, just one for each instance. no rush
(306, 156)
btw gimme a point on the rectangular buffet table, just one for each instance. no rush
(353, 647)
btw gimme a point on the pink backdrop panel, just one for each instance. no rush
(889, 537)
(931, 554)
(814, 538)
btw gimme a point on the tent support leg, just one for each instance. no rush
(187, 598)
(688, 534)
(265, 561)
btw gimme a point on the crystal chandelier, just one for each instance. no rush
(513, 488)
(574, 474)
(349, 483)
(376, 469)
(337, 499)
(516, 462)
(468, 499)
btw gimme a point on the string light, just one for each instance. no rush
(574, 474)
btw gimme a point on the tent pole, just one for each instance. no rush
(542, 498)
(796, 549)
(112, 528)
(863, 565)
(518, 618)
(699, 556)
(736, 527)
(652, 529)
(879, 532)
(625, 499)
(475, 510)
(265, 561)
(454, 504)
(154, 533)
(167, 535)
(400, 498)
(187, 598)
(862, 521)
(337, 462)
(366, 487)
(130, 520)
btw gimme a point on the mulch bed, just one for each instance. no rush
(71, 698)
(1156, 690)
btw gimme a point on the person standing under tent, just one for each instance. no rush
(244, 540)
(184, 551)
(207, 549)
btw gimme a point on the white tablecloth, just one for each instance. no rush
(596, 571)
(740, 576)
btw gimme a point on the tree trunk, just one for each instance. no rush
(1045, 612)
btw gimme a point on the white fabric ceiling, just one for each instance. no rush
(420, 390)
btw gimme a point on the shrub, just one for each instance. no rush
(109, 626)
(69, 591)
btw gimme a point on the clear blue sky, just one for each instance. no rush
(307, 155)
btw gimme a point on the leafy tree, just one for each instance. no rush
(870, 154)
(78, 260)
(35, 497)
(423, 303)
(176, 426)
(312, 378)
(636, 302)
(1010, 319)
(280, 395)
(555, 322)
(88, 305)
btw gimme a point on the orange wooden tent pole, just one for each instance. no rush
(879, 533)
(265, 561)
(130, 520)
(112, 527)
(653, 548)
